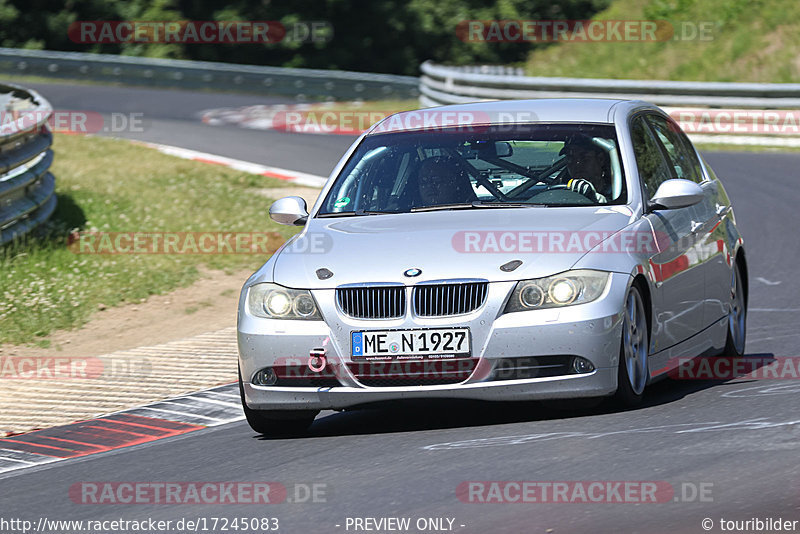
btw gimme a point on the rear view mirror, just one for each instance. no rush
(503, 149)
(675, 194)
(496, 149)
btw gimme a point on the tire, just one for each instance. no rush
(632, 372)
(276, 423)
(737, 317)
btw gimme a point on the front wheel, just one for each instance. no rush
(276, 423)
(737, 317)
(633, 372)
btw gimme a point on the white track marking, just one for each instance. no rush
(757, 140)
(770, 338)
(11, 460)
(712, 426)
(223, 407)
(217, 402)
(300, 178)
(764, 391)
(183, 415)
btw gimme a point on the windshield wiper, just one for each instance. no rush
(459, 206)
(477, 204)
(498, 204)
(356, 213)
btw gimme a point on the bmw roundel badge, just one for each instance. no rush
(412, 272)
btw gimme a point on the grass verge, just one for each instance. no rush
(384, 106)
(109, 185)
(748, 41)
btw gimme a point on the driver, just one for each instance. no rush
(441, 182)
(587, 171)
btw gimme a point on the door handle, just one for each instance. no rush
(722, 210)
(696, 226)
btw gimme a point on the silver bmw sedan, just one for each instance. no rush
(513, 250)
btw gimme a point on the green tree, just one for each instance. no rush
(389, 36)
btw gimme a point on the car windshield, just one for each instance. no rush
(502, 166)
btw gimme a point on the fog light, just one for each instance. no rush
(581, 365)
(265, 377)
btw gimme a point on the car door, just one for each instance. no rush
(708, 249)
(678, 295)
(719, 271)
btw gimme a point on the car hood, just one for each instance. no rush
(443, 245)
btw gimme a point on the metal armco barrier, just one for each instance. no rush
(27, 188)
(455, 85)
(301, 84)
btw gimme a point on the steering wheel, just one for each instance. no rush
(560, 194)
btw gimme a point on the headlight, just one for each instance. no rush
(565, 289)
(276, 302)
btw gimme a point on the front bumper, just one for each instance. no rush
(597, 383)
(591, 331)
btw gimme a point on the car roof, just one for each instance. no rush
(548, 110)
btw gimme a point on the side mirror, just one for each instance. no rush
(676, 193)
(290, 211)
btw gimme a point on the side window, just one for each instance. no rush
(366, 184)
(682, 157)
(653, 169)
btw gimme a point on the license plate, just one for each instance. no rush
(401, 344)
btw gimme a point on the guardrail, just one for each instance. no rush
(27, 188)
(311, 84)
(456, 85)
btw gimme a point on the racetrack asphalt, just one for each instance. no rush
(172, 117)
(743, 438)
